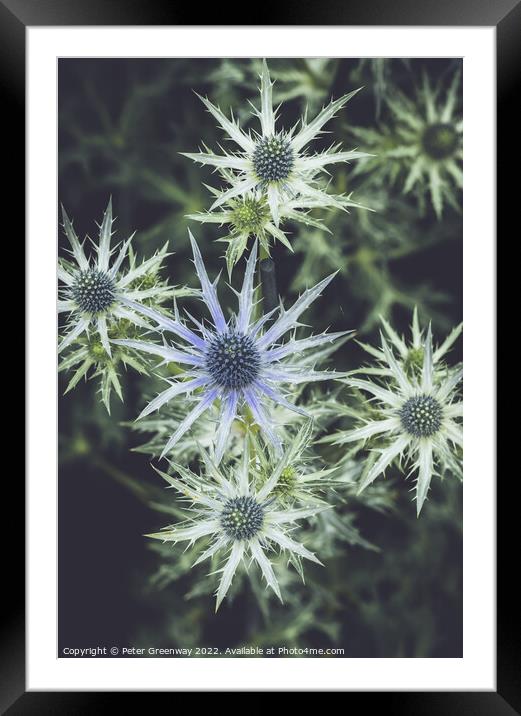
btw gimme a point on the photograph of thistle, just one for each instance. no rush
(260, 357)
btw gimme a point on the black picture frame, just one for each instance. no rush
(15, 17)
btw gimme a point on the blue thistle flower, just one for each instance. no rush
(237, 361)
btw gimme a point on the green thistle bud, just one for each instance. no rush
(250, 216)
(287, 483)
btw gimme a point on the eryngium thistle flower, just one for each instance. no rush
(96, 292)
(411, 352)
(418, 419)
(249, 216)
(234, 361)
(243, 518)
(423, 145)
(276, 163)
(89, 356)
(304, 480)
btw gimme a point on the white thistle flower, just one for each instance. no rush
(424, 145)
(235, 361)
(90, 357)
(303, 480)
(249, 216)
(241, 516)
(276, 163)
(418, 416)
(410, 352)
(96, 290)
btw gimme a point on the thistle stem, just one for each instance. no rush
(269, 284)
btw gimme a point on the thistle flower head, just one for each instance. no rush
(89, 358)
(273, 158)
(93, 294)
(249, 216)
(411, 350)
(303, 481)
(421, 416)
(240, 515)
(423, 145)
(273, 162)
(233, 360)
(416, 417)
(236, 361)
(94, 288)
(440, 140)
(93, 291)
(287, 483)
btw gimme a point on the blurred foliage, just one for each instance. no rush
(393, 584)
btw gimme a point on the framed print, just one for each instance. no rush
(271, 250)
